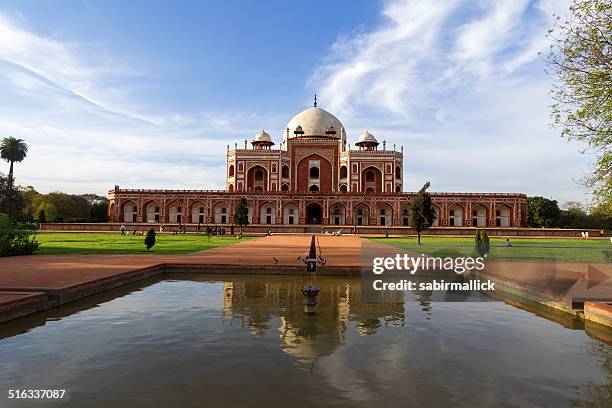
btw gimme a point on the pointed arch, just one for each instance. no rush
(267, 213)
(361, 214)
(337, 213)
(479, 215)
(456, 215)
(290, 213)
(152, 209)
(198, 212)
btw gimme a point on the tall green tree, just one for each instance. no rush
(12, 150)
(580, 62)
(423, 213)
(241, 216)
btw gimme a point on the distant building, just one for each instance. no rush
(314, 178)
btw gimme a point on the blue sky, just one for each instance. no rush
(149, 93)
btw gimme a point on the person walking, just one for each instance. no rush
(122, 228)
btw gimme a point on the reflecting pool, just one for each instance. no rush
(245, 341)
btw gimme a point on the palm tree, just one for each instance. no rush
(12, 150)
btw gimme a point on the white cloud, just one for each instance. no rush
(458, 83)
(461, 86)
(380, 68)
(85, 132)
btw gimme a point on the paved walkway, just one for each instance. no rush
(58, 271)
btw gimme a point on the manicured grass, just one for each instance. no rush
(114, 243)
(562, 249)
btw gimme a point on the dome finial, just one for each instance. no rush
(315, 101)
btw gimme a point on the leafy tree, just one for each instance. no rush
(17, 201)
(580, 61)
(423, 213)
(12, 150)
(150, 239)
(542, 212)
(25, 205)
(49, 210)
(42, 218)
(66, 207)
(477, 238)
(99, 211)
(603, 214)
(242, 213)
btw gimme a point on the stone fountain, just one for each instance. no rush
(310, 291)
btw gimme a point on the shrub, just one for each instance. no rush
(482, 243)
(150, 239)
(14, 241)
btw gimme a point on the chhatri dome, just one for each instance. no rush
(262, 140)
(262, 136)
(366, 137)
(314, 122)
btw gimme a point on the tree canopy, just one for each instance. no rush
(580, 62)
(542, 212)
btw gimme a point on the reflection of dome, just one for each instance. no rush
(308, 348)
(314, 122)
(367, 137)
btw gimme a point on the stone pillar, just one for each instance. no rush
(467, 217)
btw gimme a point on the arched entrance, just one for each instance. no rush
(337, 214)
(313, 214)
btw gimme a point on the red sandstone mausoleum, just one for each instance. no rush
(314, 178)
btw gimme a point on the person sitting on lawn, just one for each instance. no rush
(507, 243)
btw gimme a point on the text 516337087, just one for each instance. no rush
(36, 394)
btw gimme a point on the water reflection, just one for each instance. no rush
(246, 341)
(254, 302)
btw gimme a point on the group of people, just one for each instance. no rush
(182, 229)
(216, 230)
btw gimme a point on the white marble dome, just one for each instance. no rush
(262, 137)
(367, 137)
(314, 122)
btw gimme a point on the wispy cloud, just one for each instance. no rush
(73, 106)
(458, 83)
(461, 85)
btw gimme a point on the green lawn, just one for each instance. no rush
(113, 243)
(522, 248)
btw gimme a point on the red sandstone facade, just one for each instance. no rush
(314, 178)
